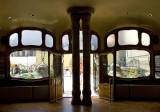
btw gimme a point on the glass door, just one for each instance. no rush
(55, 78)
(95, 73)
(51, 80)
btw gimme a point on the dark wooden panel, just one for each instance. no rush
(2, 66)
(145, 91)
(40, 92)
(15, 93)
(59, 91)
(122, 91)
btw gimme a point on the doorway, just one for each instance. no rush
(67, 74)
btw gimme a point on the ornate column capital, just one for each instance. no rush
(80, 10)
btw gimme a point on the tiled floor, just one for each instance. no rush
(99, 105)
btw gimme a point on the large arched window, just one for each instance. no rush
(132, 49)
(28, 53)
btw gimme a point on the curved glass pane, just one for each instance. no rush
(48, 41)
(145, 39)
(132, 63)
(128, 37)
(13, 40)
(111, 40)
(30, 64)
(94, 42)
(65, 42)
(31, 37)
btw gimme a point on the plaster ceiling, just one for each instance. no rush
(51, 14)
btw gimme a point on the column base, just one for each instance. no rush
(87, 98)
(76, 102)
(76, 98)
(87, 101)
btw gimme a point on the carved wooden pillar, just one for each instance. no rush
(84, 13)
(75, 19)
(86, 58)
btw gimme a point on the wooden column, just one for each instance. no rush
(75, 18)
(86, 58)
(84, 13)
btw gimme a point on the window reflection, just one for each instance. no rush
(31, 37)
(13, 40)
(128, 37)
(94, 42)
(48, 41)
(65, 42)
(111, 40)
(131, 64)
(32, 64)
(145, 39)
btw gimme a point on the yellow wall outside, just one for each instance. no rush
(68, 61)
(39, 57)
(110, 58)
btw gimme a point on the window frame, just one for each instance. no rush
(28, 80)
(68, 32)
(139, 46)
(21, 47)
(105, 79)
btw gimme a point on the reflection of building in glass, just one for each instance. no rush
(122, 58)
(29, 62)
(138, 58)
(134, 63)
(23, 53)
(130, 63)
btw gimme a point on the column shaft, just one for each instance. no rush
(76, 14)
(86, 58)
(75, 59)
